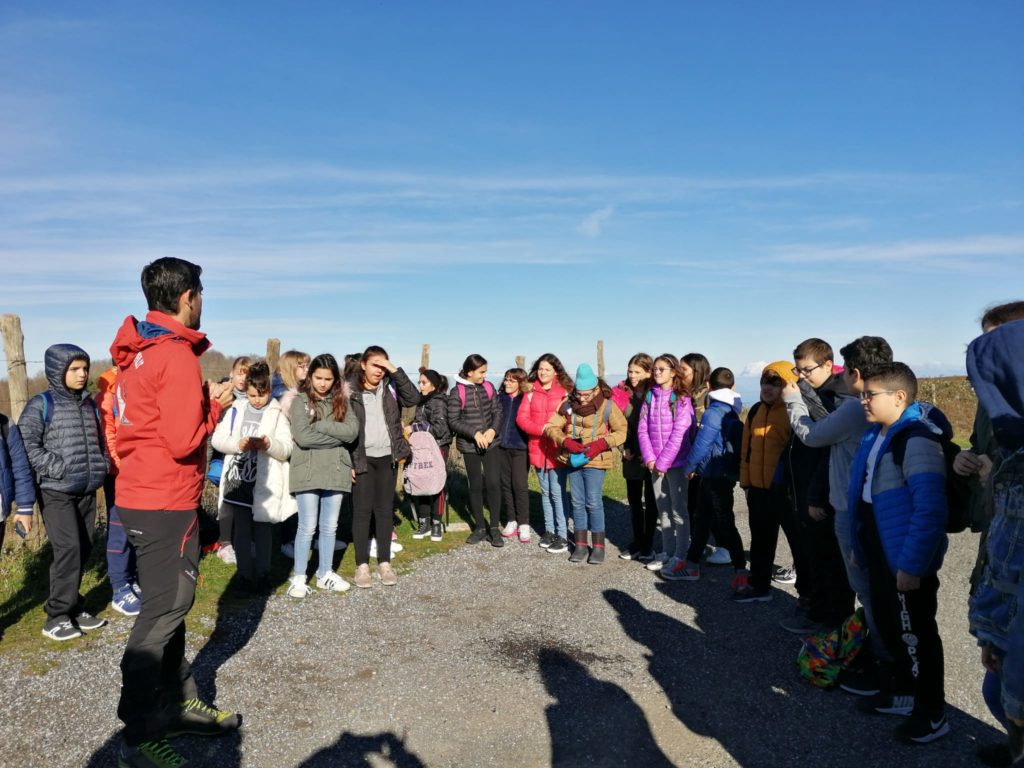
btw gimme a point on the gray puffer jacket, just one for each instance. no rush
(65, 447)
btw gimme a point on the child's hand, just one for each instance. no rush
(907, 583)
(967, 463)
(790, 389)
(990, 661)
(243, 445)
(259, 443)
(386, 364)
(480, 440)
(817, 513)
(627, 454)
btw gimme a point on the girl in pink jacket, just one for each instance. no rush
(665, 435)
(550, 386)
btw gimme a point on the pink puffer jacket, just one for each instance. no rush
(666, 429)
(538, 407)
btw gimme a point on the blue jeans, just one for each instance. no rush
(317, 508)
(586, 486)
(553, 499)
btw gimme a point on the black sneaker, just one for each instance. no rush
(545, 540)
(887, 704)
(497, 540)
(200, 719)
(478, 535)
(921, 729)
(86, 621)
(782, 575)
(423, 531)
(436, 531)
(558, 545)
(61, 630)
(860, 681)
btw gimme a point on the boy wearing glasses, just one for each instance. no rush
(898, 503)
(821, 391)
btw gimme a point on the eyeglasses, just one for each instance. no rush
(867, 395)
(586, 393)
(805, 372)
(661, 369)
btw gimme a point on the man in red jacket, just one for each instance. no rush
(165, 415)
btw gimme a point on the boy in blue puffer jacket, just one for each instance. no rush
(899, 511)
(16, 485)
(64, 440)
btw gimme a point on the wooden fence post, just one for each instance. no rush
(273, 353)
(600, 359)
(14, 351)
(521, 361)
(425, 357)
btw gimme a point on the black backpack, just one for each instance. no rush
(958, 489)
(732, 442)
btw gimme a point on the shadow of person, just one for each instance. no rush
(593, 722)
(354, 751)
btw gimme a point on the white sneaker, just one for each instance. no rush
(524, 534)
(657, 562)
(288, 550)
(511, 529)
(718, 556)
(332, 582)
(297, 586)
(227, 555)
(395, 548)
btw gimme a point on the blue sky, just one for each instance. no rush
(729, 178)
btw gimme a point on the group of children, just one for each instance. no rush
(844, 460)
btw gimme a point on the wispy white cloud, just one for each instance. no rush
(593, 224)
(754, 368)
(906, 252)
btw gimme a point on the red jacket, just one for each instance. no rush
(539, 406)
(164, 414)
(104, 398)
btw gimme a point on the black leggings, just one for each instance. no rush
(373, 496)
(515, 492)
(643, 511)
(481, 471)
(714, 514)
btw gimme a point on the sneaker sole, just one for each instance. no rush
(926, 739)
(60, 639)
(557, 550)
(860, 691)
(752, 599)
(417, 537)
(124, 612)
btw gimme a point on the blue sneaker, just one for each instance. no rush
(126, 601)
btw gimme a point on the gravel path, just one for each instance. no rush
(509, 657)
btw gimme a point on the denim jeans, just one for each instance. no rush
(586, 486)
(552, 499)
(317, 509)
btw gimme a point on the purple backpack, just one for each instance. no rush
(425, 473)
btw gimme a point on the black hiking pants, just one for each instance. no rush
(70, 521)
(155, 677)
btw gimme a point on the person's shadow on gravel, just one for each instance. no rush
(594, 722)
(354, 751)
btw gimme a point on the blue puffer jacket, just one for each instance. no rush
(708, 456)
(996, 369)
(67, 450)
(909, 502)
(16, 484)
(510, 436)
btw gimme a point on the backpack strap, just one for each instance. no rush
(750, 421)
(47, 408)
(461, 389)
(489, 389)
(4, 427)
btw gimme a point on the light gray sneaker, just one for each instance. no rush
(362, 578)
(387, 575)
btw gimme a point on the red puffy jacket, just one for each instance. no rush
(164, 414)
(540, 405)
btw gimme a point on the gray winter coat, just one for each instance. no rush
(65, 446)
(320, 459)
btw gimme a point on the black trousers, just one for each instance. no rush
(515, 491)
(906, 622)
(643, 512)
(769, 509)
(829, 596)
(373, 497)
(155, 676)
(70, 521)
(484, 471)
(715, 515)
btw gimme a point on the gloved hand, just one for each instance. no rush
(573, 446)
(592, 449)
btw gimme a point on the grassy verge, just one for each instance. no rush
(24, 576)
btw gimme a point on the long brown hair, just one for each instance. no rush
(645, 361)
(701, 372)
(288, 363)
(564, 379)
(677, 381)
(339, 402)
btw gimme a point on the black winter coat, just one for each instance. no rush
(479, 415)
(399, 393)
(433, 411)
(67, 450)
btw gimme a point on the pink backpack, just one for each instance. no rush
(425, 473)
